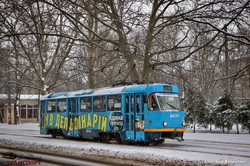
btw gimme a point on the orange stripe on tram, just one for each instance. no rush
(162, 130)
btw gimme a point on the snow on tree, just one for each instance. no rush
(243, 116)
(223, 113)
(196, 110)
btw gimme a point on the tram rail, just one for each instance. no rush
(50, 158)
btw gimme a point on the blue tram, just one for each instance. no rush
(146, 114)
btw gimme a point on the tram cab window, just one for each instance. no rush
(152, 104)
(163, 102)
(86, 104)
(99, 103)
(51, 106)
(61, 105)
(114, 103)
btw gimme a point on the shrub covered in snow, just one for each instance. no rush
(196, 110)
(243, 115)
(223, 113)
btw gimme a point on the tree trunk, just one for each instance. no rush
(131, 66)
(226, 68)
(91, 49)
(9, 107)
(123, 44)
(91, 73)
(16, 102)
(194, 127)
(146, 70)
(1, 117)
(237, 127)
(15, 113)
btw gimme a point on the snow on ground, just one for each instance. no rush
(170, 152)
(21, 126)
(225, 138)
(216, 135)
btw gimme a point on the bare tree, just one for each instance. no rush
(34, 31)
(136, 38)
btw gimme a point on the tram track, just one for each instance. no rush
(25, 135)
(53, 158)
(221, 146)
(217, 142)
(213, 153)
(208, 147)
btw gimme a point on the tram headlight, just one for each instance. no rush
(165, 124)
(183, 123)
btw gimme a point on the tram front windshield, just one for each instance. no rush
(164, 102)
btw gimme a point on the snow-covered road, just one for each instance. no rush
(202, 148)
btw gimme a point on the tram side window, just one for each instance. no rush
(137, 104)
(114, 103)
(86, 104)
(99, 103)
(51, 106)
(127, 104)
(61, 105)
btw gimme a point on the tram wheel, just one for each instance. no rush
(105, 138)
(125, 142)
(157, 142)
(53, 134)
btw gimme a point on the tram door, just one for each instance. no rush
(134, 117)
(43, 117)
(73, 118)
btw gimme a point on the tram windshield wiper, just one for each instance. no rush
(172, 106)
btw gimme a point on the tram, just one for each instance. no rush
(134, 114)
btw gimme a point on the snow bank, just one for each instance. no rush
(97, 151)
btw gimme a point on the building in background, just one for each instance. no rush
(27, 108)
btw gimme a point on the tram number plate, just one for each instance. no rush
(174, 115)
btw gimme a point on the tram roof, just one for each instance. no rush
(143, 88)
